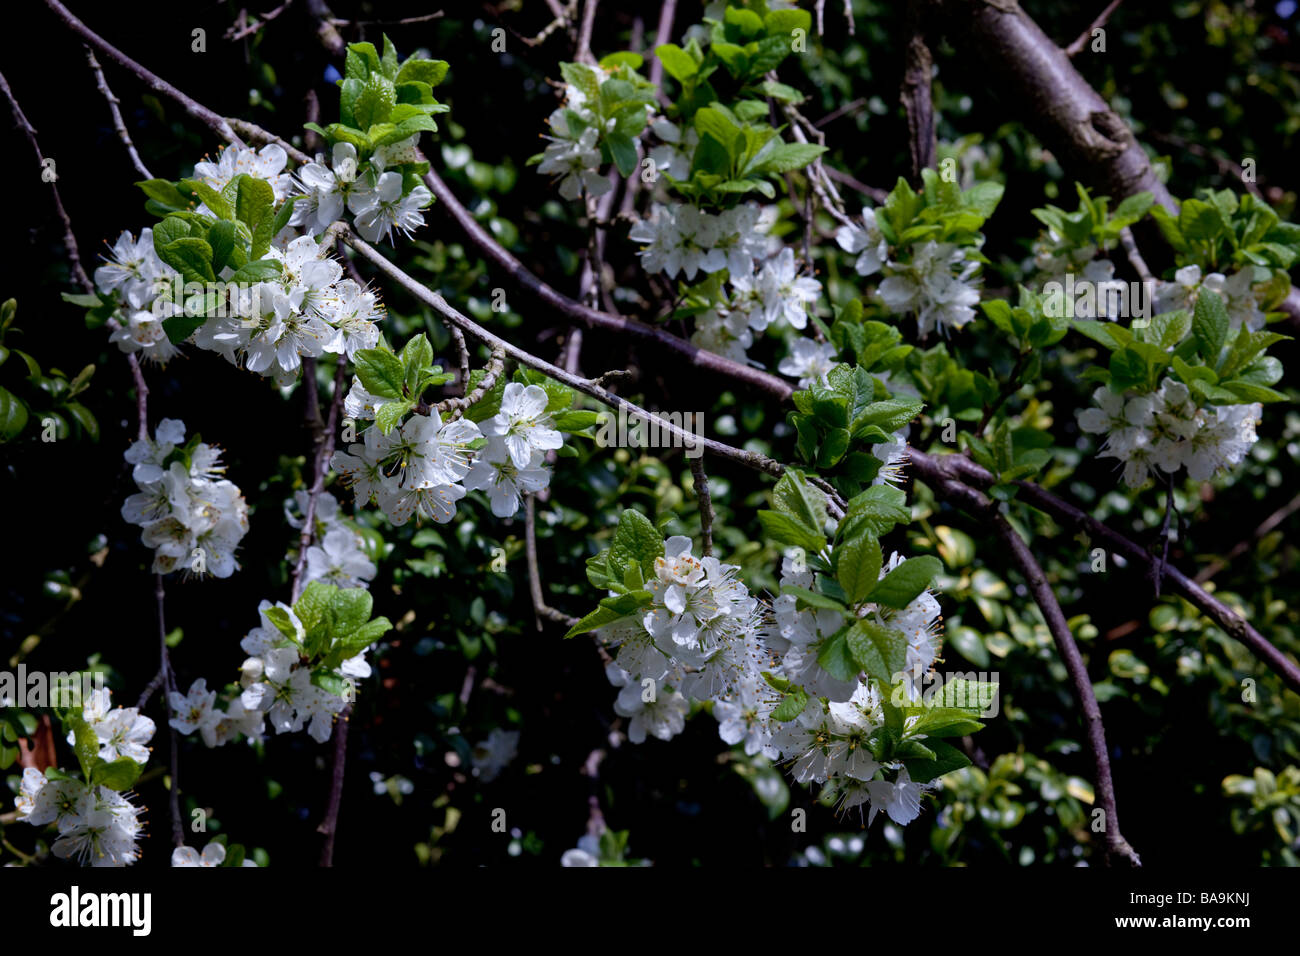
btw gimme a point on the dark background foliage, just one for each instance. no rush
(1204, 84)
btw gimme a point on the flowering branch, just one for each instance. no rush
(165, 678)
(584, 385)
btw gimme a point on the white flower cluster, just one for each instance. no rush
(705, 638)
(573, 153)
(427, 465)
(267, 163)
(121, 731)
(308, 311)
(337, 558)
(1237, 292)
(275, 684)
(939, 283)
(673, 155)
(133, 275)
(192, 518)
(684, 238)
(809, 361)
(1167, 429)
(774, 294)
(214, 854)
(1054, 255)
(375, 195)
(197, 712)
(765, 285)
(97, 826)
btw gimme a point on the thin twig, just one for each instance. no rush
(200, 112)
(1075, 48)
(118, 123)
(257, 23)
(540, 607)
(1134, 254)
(330, 824)
(583, 53)
(1045, 598)
(490, 375)
(586, 386)
(1265, 526)
(169, 682)
(916, 95)
(701, 482)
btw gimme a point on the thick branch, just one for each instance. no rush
(916, 96)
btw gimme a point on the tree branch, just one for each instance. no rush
(540, 607)
(154, 82)
(961, 469)
(954, 490)
(701, 483)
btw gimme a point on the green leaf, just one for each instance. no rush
(221, 237)
(623, 148)
(813, 598)
(857, 567)
(679, 64)
(878, 650)
(576, 420)
(121, 774)
(1210, 326)
(635, 539)
(165, 192)
(254, 202)
(785, 529)
(191, 257)
(785, 22)
(329, 682)
(791, 706)
(836, 658)
(374, 102)
(889, 415)
(786, 158)
(258, 270)
(380, 371)
(601, 617)
(211, 197)
(181, 327)
(367, 634)
(900, 586)
(432, 72)
(794, 496)
(947, 759)
(13, 416)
